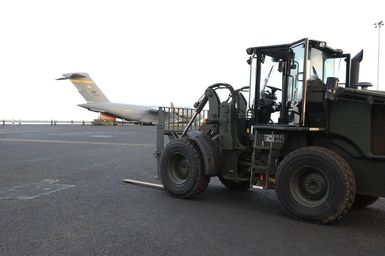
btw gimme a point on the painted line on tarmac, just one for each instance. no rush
(100, 136)
(33, 190)
(77, 142)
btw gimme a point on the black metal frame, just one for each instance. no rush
(279, 52)
(283, 52)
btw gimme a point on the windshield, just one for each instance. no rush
(322, 66)
(316, 64)
(335, 68)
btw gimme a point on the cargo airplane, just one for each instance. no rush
(98, 102)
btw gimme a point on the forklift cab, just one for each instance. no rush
(288, 81)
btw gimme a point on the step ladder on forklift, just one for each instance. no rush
(257, 168)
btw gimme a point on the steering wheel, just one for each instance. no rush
(273, 89)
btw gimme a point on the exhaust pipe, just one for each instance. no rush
(355, 69)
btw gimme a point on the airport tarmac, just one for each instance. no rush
(61, 193)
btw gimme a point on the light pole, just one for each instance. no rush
(378, 25)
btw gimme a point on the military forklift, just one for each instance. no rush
(309, 129)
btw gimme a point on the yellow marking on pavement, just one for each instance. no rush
(77, 142)
(81, 81)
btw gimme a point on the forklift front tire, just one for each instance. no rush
(182, 170)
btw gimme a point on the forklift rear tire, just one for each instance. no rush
(235, 185)
(315, 184)
(181, 169)
(362, 201)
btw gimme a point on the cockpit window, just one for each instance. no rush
(323, 66)
(316, 64)
(335, 67)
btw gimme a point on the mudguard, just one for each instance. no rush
(209, 150)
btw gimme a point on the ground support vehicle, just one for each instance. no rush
(309, 130)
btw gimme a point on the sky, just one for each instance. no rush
(155, 52)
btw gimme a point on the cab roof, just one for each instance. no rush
(279, 51)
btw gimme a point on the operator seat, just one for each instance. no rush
(315, 110)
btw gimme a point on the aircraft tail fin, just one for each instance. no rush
(86, 87)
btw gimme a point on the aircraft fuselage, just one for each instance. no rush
(129, 112)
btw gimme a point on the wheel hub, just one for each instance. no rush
(182, 169)
(179, 168)
(309, 186)
(313, 186)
